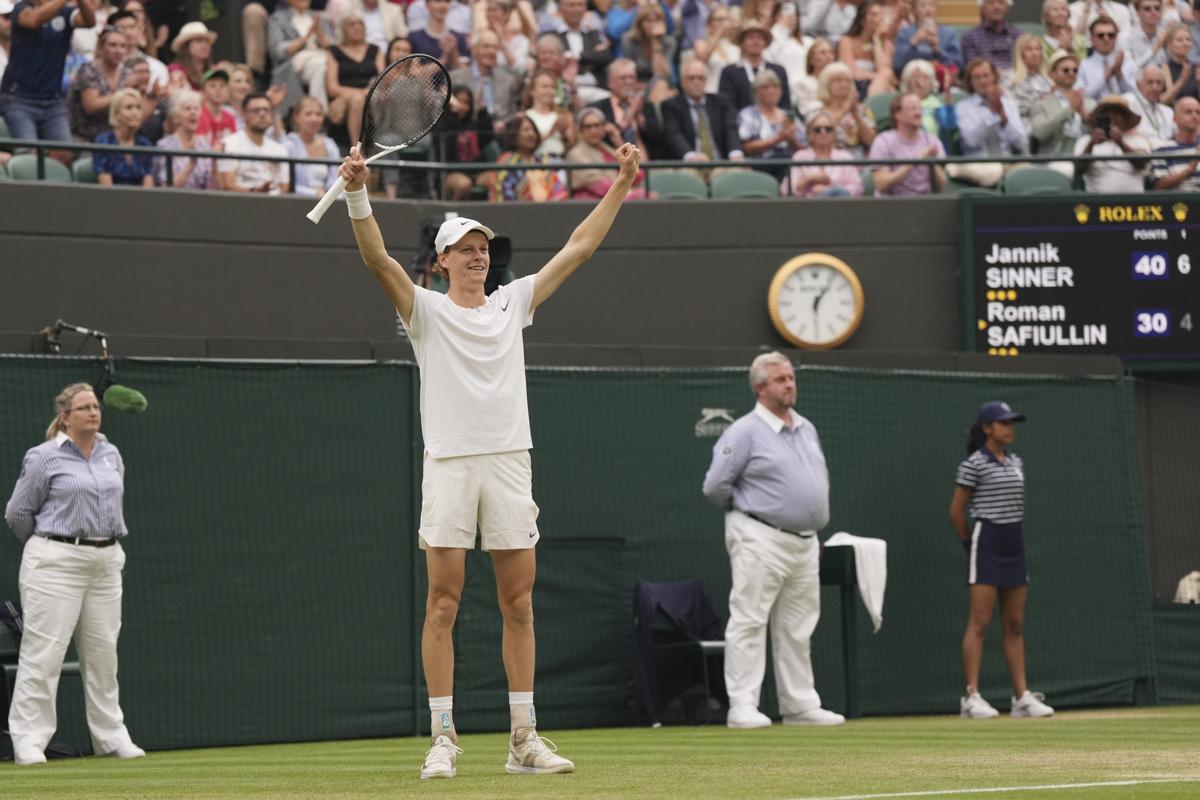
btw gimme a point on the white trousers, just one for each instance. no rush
(776, 581)
(310, 66)
(68, 590)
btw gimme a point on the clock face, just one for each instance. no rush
(816, 301)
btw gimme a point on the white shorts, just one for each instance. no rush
(492, 492)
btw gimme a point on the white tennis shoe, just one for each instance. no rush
(746, 717)
(439, 761)
(1031, 704)
(975, 707)
(530, 754)
(815, 716)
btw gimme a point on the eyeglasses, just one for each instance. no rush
(92, 407)
(822, 129)
(588, 125)
(1105, 35)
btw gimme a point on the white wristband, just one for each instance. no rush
(357, 204)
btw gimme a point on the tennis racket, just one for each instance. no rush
(403, 105)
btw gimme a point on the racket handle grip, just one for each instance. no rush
(320, 208)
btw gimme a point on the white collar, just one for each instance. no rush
(61, 437)
(775, 422)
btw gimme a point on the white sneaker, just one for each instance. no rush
(129, 750)
(29, 755)
(439, 761)
(747, 717)
(530, 754)
(815, 716)
(975, 707)
(1031, 704)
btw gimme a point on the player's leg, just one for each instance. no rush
(1012, 618)
(446, 567)
(983, 604)
(515, 574)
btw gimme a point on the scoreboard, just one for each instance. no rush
(1109, 274)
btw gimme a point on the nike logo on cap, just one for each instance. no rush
(464, 222)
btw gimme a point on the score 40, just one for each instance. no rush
(1153, 266)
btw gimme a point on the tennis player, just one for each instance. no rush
(475, 422)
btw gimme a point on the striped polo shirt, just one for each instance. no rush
(997, 487)
(61, 493)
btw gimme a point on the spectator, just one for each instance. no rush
(242, 175)
(298, 39)
(716, 50)
(805, 87)
(307, 140)
(693, 20)
(766, 130)
(1158, 120)
(93, 86)
(129, 24)
(436, 38)
(1113, 132)
(989, 124)
(994, 38)
(854, 126)
(829, 19)
(351, 68)
(1057, 119)
(789, 46)
(867, 52)
(125, 114)
(193, 53)
(135, 73)
(1085, 12)
(584, 41)
(1059, 35)
(1181, 173)
(493, 87)
(556, 129)
(255, 21)
(1145, 40)
(550, 56)
(514, 32)
(1106, 71)
(907, 139)
(382, 20)
(698, 126)
(736, 79)
(592, 148)
(187, 172)
(836, 180)
(31, 90)
(1181, 72)
(6, 8)
(457, 16)
(625, 109)
(153, 37)
(83, 40)
(649, 45)
(216, 122)
(241, 83)
(460, 138)
(397, 49)
(918, 78)
(521, 143)
(1028, 81)
(928, 41)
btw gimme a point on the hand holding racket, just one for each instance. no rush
(403, 105)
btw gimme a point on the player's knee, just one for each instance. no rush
(517, 609)
(1014, 628)
(441, 608)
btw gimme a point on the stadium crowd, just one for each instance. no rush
(542, 83)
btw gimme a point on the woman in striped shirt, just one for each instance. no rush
(990, 487)
(67, 509)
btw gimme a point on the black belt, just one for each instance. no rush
(776, 527)
(79, 540)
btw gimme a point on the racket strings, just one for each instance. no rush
(406, 102)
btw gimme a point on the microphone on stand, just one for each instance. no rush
(114, 395)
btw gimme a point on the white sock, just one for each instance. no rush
(520, 710)
(441, 717)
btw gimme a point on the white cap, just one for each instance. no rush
(456, 228)
(6, 7)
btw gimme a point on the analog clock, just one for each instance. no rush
(816, 301)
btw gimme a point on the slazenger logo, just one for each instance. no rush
(712, 422)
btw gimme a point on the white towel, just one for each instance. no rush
(870, 562)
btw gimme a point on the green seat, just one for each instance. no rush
(880, 106)
(81, 170)
(745, 184)
(4, 132)
(4, 172)
(676, 185)
(868, 182)
(1036, 180)
(953, 186)
(23, 167)
(491, 152)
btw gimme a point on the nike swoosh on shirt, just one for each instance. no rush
(505, 306)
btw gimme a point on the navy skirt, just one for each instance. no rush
(996, 554)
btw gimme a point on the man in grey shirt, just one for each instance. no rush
(769, 474)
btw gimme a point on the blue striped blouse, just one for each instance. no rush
(998, 487)
(61, 493)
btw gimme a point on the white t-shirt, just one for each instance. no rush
(1114, 177)
(472, 363)
(255, 173)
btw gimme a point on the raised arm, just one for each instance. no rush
(590, 233)
(391, 276)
